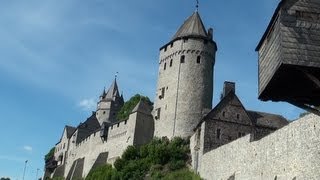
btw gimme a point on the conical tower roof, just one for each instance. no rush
(193, 26)
(113, 90)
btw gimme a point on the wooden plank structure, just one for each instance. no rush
(289, 55)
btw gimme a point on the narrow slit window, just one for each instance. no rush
(198, 59)
(218, 133)
(170, 62)
(182, 59)
(165, 66)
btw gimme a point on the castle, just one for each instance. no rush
(226, 142)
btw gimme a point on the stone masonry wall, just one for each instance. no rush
(120, 136)
(288, 153)
(187, 86)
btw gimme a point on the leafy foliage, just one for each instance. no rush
(49, 154)
(160, 159)
(129, 105)
(3, 178)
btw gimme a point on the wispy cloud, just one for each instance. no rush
(27, 148)
(87, 104)
(11, 158)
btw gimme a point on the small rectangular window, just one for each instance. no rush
(125, 122)
(162, 92)
(182, 59)
(158, 113)
(218, 133)
(170, 62)
(185, 40)
(165, 49)
(171, 45)
(118, 124)
(165, 66)
(198, 59)
(238, 116)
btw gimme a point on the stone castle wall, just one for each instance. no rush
(288, 153)
(187, 86)
(120, 136)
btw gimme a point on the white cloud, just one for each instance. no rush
(27, 148)
(87, 104)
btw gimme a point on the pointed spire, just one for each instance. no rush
(103, 94)
(113, 90)
(193, 26)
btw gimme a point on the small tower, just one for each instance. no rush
(109, 104)
(185, 81)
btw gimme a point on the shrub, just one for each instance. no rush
(50, 154)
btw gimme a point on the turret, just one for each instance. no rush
(109, 104)
(185, 82)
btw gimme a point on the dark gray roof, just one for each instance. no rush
(142, 107)
(113, 90)
(70, 130)
(88, 127)
(268, 120)
(193, 26)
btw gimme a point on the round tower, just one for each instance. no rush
(185, 81)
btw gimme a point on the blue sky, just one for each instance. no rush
(57, 55)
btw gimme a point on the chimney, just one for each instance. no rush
(210, 33)
(227, 88)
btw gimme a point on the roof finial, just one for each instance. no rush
(197, 6)
(116, 75)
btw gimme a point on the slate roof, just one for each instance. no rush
(263, 119)
(113, 91)
(142, 107)
(88, 127)
(70, 130)
(193, 26)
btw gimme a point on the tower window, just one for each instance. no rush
(171, 45)
(182, 59)
(165, 66)
(165, 49)
(104, 112)
(238, 116)
(198, 59)
(170, 62)
(223, 114)
(218, 133)
(158, 113)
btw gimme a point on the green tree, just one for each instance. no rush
(4, 178)
(49, 154)
(129, 105)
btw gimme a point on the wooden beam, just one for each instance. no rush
(306, 107)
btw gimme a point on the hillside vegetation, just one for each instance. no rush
(160, 159)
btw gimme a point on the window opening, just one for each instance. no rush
(198, 59)
(182, 59)
(218, 133)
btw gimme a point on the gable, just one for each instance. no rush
(230, 109)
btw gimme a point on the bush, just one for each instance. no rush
(160, 159)
(50, 154)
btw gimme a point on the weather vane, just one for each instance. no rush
(197, 5)
(116, 75)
